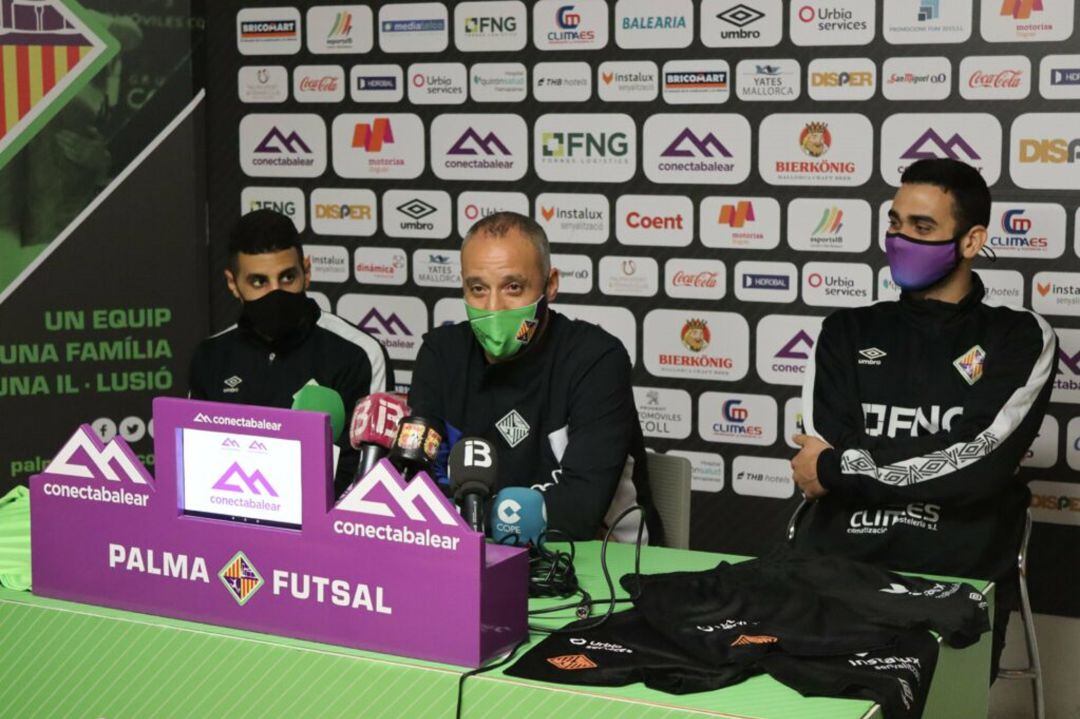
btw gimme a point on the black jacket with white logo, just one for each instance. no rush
(238, 366)
(561, 417)
(929, 407)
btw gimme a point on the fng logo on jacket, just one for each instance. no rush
(891, 421)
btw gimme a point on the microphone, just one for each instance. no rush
(518, 517)
(374, 425)
(316, 398)
(415, 445)
(473, 469)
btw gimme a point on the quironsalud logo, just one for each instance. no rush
(241, 578)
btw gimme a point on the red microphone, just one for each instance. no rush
(374, 426)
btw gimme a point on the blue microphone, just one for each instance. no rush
(518, 517)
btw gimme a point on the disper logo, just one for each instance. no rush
(85, 457)
(375, 323)
(249, 483)
(383, 493)
(1054, 150)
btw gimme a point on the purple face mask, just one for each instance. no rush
(917, 264)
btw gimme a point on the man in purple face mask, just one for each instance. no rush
(917, 412)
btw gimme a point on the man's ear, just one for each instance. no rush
(230, 280)
(972, 243)
(307, 273)
(552, 285)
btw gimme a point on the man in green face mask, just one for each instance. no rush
(552, 395)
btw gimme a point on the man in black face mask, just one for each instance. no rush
(282, 340)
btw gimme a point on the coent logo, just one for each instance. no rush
(650, 222)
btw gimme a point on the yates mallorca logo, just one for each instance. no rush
(49, 47)
(241, 578)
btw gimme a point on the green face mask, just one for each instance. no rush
(502, 333)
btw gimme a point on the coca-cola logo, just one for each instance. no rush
(1004, 78)
(326, 83)
(695, 279)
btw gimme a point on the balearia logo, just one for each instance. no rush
(645, 24)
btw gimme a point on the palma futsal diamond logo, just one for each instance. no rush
(241, 578)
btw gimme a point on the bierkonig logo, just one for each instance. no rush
(852, 78)
(380, 266)
(1044, 151)
(660, 220)
(819, 149)
(641, 24)
(916, 78)
(425, 214)
(696, 148)
(737, 418)
(490, 26)
(343, 212)
(382, 146)
(1027, 229)
(414, 27)
(376, 83)
(560, 25)
(329, 263)
(831, 22)
(339, 29)
(740, 223)
(475, 206)
(262, 84)
(752, 23)
(600, 147)
(628, 276)
(696, 345)
(397, 322)
(562, 81)
(627, 81)
(581, 219)
(437, 83)
(995, 77)
(479, 147)
(268, 31)
(785, 346)
(288, 201)
(829, 225)
(974, 138)
(927, 23)
(663, 413)
(281, 145)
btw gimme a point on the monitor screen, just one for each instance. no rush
(240, 477)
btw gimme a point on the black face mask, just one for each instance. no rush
(277, 316)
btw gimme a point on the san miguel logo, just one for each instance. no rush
(46, 48)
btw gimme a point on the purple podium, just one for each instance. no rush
(239, 529)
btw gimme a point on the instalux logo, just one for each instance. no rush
(417, 500)
(85, 457)
(241, 578)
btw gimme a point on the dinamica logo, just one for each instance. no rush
(600, 147)
(696, 149)
(663, 220)
(580, 219)
(816, 149)
(1045, 151)
(343, 212)
(973, 138)
(641, 24)
(696, 345)
(560, 25)
(380, 266)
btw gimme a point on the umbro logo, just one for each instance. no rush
(871, 356)
(232, 384)
(513, 428)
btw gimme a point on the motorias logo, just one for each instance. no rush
(1067, 377)
(560, 25)
(424, 214)
(752, 23)
(740, 223)
(600, 147)
(701, 345)
(475, 206)
(84, 456)
(1027, 21)
(397, 322)
(479, 147)
(696, 149)
(643, 24)
(368, 146)
(737, 418)
(267, 31)
(823, 149)
(282, 145)
(581, 219)
(973, 138)
(380, 266)
(1056, 293)
(1045, 151)
(785, 346)
(1027, 230)
(831, 22)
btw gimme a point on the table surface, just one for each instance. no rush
(67, 659)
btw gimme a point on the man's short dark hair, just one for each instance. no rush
(499, 224)
(263, 231)
(970, 195)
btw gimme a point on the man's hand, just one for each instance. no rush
(804, 465)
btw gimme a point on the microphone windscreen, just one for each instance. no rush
(417, 441)
(518, 516)
(473, 467)
(376, 418)
(316, 398)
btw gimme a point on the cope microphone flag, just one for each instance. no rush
(373, 428)
(518, 517)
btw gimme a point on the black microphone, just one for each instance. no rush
(415, 446)
(473, 468)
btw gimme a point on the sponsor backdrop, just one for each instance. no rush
(102, 259)
(714, 177)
